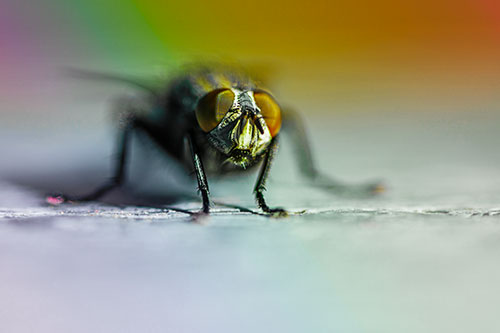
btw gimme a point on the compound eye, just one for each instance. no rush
(270, 111)
(212, 108)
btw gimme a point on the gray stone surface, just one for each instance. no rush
(422, 257)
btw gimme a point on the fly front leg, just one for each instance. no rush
(293, 125)
(200, 175)
(260, 186)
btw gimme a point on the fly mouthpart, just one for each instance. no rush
(241, 157)
(240, 153)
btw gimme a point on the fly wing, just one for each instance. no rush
(147, 85)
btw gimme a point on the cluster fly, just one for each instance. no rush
(227, 122)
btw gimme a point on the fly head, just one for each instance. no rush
(240, 124)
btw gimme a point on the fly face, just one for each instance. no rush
(240, 124)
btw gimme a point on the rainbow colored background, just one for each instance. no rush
(339, 52)
(421, 258)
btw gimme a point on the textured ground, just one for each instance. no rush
(422, 257)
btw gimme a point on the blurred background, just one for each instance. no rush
(402, 91)
(412, 55)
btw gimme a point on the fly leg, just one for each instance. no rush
(200, 175)
(260, 186)
(118, 176)
(293, 125)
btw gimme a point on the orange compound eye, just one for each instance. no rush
(212, 108)
(270, 111)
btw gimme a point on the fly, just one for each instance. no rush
(228, 123)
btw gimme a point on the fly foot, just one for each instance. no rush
(370, 189)
(377, 188)
(277, 213)
(56, 199)
(199, 217)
